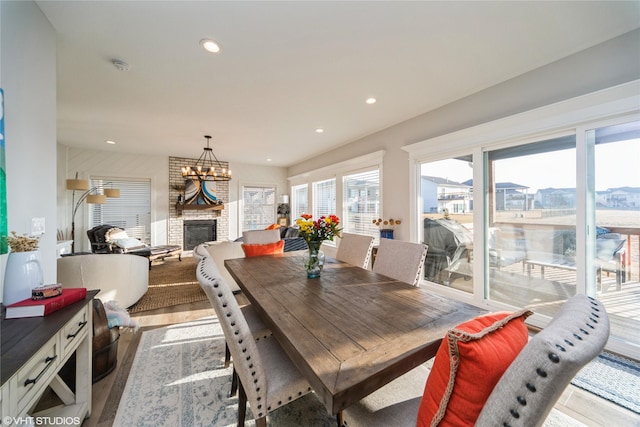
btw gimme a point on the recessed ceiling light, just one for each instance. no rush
(370, 101)
(210, 46)
(319, 130)
(269, 160)
(108, 141)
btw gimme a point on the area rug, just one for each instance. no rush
(178, 379)
(614, 378)
(171, 282)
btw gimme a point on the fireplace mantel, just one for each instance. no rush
(184, 207)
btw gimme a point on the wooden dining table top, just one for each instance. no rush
(351, 330)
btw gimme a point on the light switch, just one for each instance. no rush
(37, 226)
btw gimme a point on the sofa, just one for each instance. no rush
(120, 277)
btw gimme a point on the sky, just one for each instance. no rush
(617, 165)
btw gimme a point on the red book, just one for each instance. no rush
(35, 308)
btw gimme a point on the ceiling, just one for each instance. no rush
(288, 68)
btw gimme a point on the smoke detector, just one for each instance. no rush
(121, 65)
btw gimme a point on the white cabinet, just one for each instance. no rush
(34, 350)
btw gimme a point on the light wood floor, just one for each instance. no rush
(580, 405)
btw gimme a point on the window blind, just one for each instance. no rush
(299, 201)
(131, 211)
(259, 208)
(361, 202)
(324, 197)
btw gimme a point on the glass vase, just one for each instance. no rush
(314, 261)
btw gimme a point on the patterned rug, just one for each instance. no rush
(171, 282)
(613, 378)
(178, 379)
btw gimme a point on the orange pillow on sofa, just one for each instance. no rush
(470, 360)
(273, 227)
(263, 249)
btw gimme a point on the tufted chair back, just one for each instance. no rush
(355, 249)
(200, 252)
(242, 345)
(400, 260)
(529, 388)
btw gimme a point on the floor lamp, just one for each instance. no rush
(88, 195)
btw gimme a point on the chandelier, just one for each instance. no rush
(207, 167)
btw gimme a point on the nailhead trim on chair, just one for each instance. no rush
(558, 359)
(554, 358)
(257, 387)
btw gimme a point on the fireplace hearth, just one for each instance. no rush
(198, 231)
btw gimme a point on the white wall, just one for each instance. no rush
(251, 175)
(90, 163)
(608, 64)
(28, 77)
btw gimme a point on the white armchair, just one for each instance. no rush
(120, 277)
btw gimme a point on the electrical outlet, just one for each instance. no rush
(37, 226)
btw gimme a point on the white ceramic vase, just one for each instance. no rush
(23, 273)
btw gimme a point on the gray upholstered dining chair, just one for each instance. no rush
(207, 272)
(355, 249)
(400, 260)
(529, 388)
(267, 377)
(531, 385)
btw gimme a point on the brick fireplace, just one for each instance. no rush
(198, 231)
(178, 217)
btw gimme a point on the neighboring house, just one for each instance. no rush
(556, 198)
(622, 197)
(509, 196)
(512, 197)
(440, 194)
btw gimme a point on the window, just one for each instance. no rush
(531, 245)
(361, 202)
(614, 250)
(324, 198)
(259, 207)
(446, 215)
(299, 201)
(131, 211)
(555, 207)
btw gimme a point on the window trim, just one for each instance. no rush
(615, 104)
(360, 171)
(555, 120)
(241, 186)
(337, 171)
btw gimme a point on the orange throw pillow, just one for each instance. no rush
(264, 249)
(273, 227)
(470, 360)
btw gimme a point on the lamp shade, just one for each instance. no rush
(97, 199)
(112, 192)
(77, 184)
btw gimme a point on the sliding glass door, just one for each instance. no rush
(531, 223)
(615, 246)
(550, 200)
(446, 221)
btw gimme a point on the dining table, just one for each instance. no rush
(349, 331)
